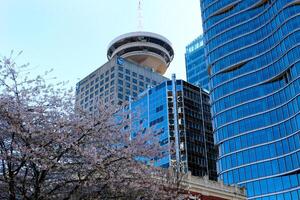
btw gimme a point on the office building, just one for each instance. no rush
(196, 70)
(179, 114)
(252, 51)
(135, 61)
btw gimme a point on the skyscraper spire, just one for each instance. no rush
(140, 16)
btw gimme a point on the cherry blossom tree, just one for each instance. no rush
(50, 149)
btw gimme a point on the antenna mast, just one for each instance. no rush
(140, 16)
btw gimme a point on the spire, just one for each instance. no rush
(140, 16)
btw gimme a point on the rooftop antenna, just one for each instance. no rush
(140, 16)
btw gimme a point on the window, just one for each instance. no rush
(127, 78)
(106, 73)
(127, 71)
(120, 75)
(120, 96)
(141, 77)
(120, 82)
(112, 69)
(141, 83)
(121, 68)
(120, 89)
(134, 74)
(159, 108)
(147, 80)
(134, 80)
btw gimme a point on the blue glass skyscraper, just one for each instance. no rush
(179, 114)
(196, 70)
(252, 51)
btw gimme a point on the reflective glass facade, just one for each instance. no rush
(196, 70)
(179, 114)
(252, 51)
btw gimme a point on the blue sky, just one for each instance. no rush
(71, 36)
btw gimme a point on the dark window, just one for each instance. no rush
(120, 96)
(120, 89)
(159, 108)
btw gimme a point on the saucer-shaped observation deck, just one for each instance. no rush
(145, 48)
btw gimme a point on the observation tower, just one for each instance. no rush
(144, 48)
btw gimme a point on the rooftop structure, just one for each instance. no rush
(205, 189)
(144, 48)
